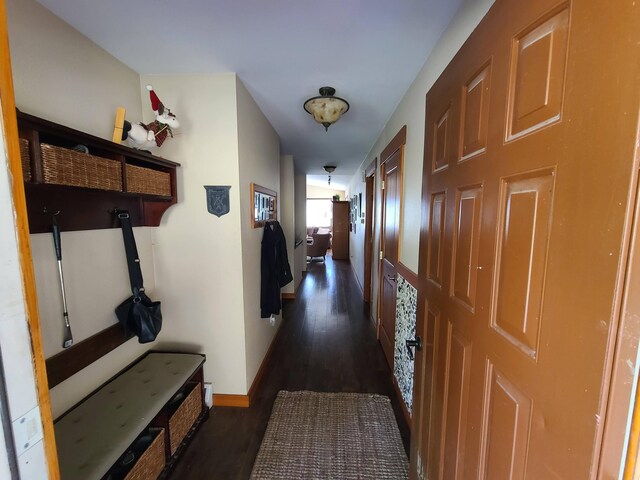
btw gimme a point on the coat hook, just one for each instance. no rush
(45, 211)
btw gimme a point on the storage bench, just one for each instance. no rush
(156, 403)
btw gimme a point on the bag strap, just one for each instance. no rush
(133, 262)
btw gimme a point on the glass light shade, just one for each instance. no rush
(326, 109)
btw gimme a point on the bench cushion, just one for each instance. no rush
(92, 436)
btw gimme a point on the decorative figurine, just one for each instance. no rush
(144, 137)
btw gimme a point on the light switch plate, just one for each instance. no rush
(27, 430)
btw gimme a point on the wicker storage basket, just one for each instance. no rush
(26, 159)
(149, 181)
(68, 167)
(151, 462)
(184, 417)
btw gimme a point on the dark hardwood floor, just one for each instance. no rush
(327, 344)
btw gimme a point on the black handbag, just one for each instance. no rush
(138, 313)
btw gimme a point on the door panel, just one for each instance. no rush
(441, 142)
(466, 244)
(436, 234)
(505, 427)
(538, 61)
(526, 191)
(456, 397)
(474, 116)
(521, 257)
(391, 173)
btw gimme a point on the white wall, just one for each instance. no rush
(411, 112)
(208, 268)
(198, 255)
(356, 240)
(259, 153)
(96, 281)
(287, 205)
(59, 73)
(300, 253)
(15, 340)
(313, 191)
(62, 76)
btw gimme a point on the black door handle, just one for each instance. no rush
(417, 343)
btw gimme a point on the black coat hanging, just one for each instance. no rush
(274, 269)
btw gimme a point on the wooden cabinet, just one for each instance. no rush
(86, 187)
(340, 238)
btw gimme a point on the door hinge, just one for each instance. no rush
(380, 255)
(382, 184)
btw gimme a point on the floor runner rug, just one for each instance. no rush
(331, 436)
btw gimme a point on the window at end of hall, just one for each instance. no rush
(319, 212)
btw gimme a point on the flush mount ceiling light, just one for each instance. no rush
(326, 109)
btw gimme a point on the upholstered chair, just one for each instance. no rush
(319, 246)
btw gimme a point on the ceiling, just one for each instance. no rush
(338, 182)
(283, 51)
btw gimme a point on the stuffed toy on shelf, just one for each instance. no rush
(141, 136)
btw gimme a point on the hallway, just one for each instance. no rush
(327, 344)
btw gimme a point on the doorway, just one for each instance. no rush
(523, 245)
(391, 163)
(370, 187)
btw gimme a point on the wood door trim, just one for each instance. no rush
(371, 168)
(401, 135)
(631, 460)
(623, 345)
(24, 246)
(399, 140)
(396, 143)
(408, 274)
(370, 196)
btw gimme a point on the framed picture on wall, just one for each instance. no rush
(265, 205)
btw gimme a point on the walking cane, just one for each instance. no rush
(68, 337)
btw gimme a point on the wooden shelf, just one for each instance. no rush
(86, 208)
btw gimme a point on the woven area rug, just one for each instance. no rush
(324, 436)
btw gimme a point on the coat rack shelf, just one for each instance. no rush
(124, 179)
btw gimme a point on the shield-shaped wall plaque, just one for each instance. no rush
(217, 199)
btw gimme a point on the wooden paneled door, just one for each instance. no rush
(391, 192)
(340, 231)
(528, 191)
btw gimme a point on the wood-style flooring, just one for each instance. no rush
(327, 344)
